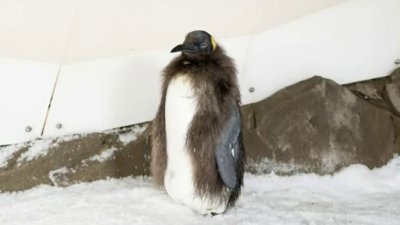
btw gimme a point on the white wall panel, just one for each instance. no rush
(353, 41)
(25, 91)
(107, 93)
(237, 49)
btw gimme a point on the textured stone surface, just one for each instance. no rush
(79, 158)
(382, 92)
(393, 91)
(318, 126)
(315, 125)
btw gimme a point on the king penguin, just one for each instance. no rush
(197, 151)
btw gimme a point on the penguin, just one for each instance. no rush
(197, 150)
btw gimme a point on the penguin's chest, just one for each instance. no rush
(180, 108)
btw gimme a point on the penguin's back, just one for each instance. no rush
(180, 108)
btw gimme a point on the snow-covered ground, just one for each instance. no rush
(356, 195)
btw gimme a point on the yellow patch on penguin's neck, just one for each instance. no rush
(213, 43)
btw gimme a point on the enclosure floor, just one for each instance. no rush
(356, 195)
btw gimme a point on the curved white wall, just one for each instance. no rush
(72, 31)
(351, 41)
(25, 91)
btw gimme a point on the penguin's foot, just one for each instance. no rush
(211, 214)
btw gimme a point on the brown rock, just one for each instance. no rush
(393, 91)
(317, 126)
(382, 92)
(72, 159)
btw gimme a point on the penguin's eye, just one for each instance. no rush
(203, 45)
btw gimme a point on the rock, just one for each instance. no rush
(382, 92)
(72, 159)
(318, 126)
(393, 91)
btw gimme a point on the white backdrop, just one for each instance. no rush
(25, 91)
(354, 40)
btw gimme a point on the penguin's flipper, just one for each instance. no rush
(228, 149)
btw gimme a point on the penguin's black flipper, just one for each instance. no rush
(227, 152)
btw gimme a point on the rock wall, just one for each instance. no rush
(314, 126)
(76, 158)
(319, 126)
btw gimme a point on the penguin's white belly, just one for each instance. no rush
(180, 108)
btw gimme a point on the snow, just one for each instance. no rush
(54, 174)
(132, 135)
(355, 195)
(103, 156)
(35, 149)
(7, 152)
(267, 166)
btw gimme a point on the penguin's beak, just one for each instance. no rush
(186, 48)
(177, 48)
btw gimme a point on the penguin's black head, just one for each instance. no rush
(197, 43)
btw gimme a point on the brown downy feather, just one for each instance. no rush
(215, 87)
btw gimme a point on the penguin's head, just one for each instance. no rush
(197, 43)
